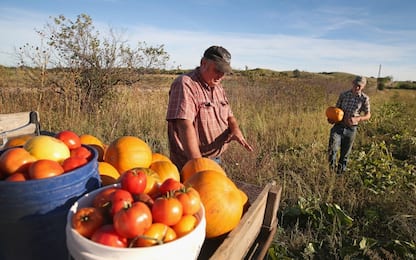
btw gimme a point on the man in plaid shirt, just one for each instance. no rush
(200, 120)
(356, 107)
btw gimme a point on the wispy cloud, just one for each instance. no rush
(310, 51)
(280, 52)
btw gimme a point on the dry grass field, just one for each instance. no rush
(369, 213)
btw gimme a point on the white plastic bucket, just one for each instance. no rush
(80, 248)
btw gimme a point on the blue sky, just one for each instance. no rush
(316, 36)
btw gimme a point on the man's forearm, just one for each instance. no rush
(188, 139)
(232, 123)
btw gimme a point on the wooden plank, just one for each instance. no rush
(273, 200)
(14, 120)
(261, 246)
(27, 129)
(239, 240)
(16, 124)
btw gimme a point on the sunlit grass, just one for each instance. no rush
(283, 118)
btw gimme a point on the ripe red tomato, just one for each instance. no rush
(190, 200)
(103, 198)
(82, 152)
(87, 220)
(107, 235)
(70, 138)
(45, 168)
(120, 199)
(133, 221)
(134, 181)
(167, 210)
(145, 198)
(71, 163)
(170, 185)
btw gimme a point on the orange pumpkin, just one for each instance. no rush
(223, 201)
(334, 114)
(159, 157)
(165, 170)
(108, 174)
(128, 152)
(199, 164)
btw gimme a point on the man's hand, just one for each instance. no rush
(236, 135)
(353, 120)
(331, 121)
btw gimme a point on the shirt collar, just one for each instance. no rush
(358, 94)
(200, 79)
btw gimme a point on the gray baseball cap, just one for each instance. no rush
(360, 80)
(221, 57)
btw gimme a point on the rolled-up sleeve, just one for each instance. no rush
(181, 101)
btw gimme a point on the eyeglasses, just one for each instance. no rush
(215, 68)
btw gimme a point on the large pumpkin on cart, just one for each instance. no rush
(223, 201)
(199, 164)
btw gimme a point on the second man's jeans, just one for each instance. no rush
(341, 138)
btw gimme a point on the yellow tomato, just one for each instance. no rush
(152, 181)
(185, 225)
(157, 233)
(47, 147)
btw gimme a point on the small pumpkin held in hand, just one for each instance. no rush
(334, 114)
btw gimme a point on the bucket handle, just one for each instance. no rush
(4, 139)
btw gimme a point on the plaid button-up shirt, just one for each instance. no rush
(207, 107)
(353, 104)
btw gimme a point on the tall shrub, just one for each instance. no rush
(88, 65)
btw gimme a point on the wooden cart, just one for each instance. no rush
(253, 236)
(251, 239)
(17, 124)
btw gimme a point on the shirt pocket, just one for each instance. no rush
(206, 111)
(223, 109)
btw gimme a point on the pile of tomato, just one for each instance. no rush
(22, 163)
(124, 216)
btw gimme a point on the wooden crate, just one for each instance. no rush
(17, 124)
(253, 236)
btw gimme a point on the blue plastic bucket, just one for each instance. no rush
(33, 213)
